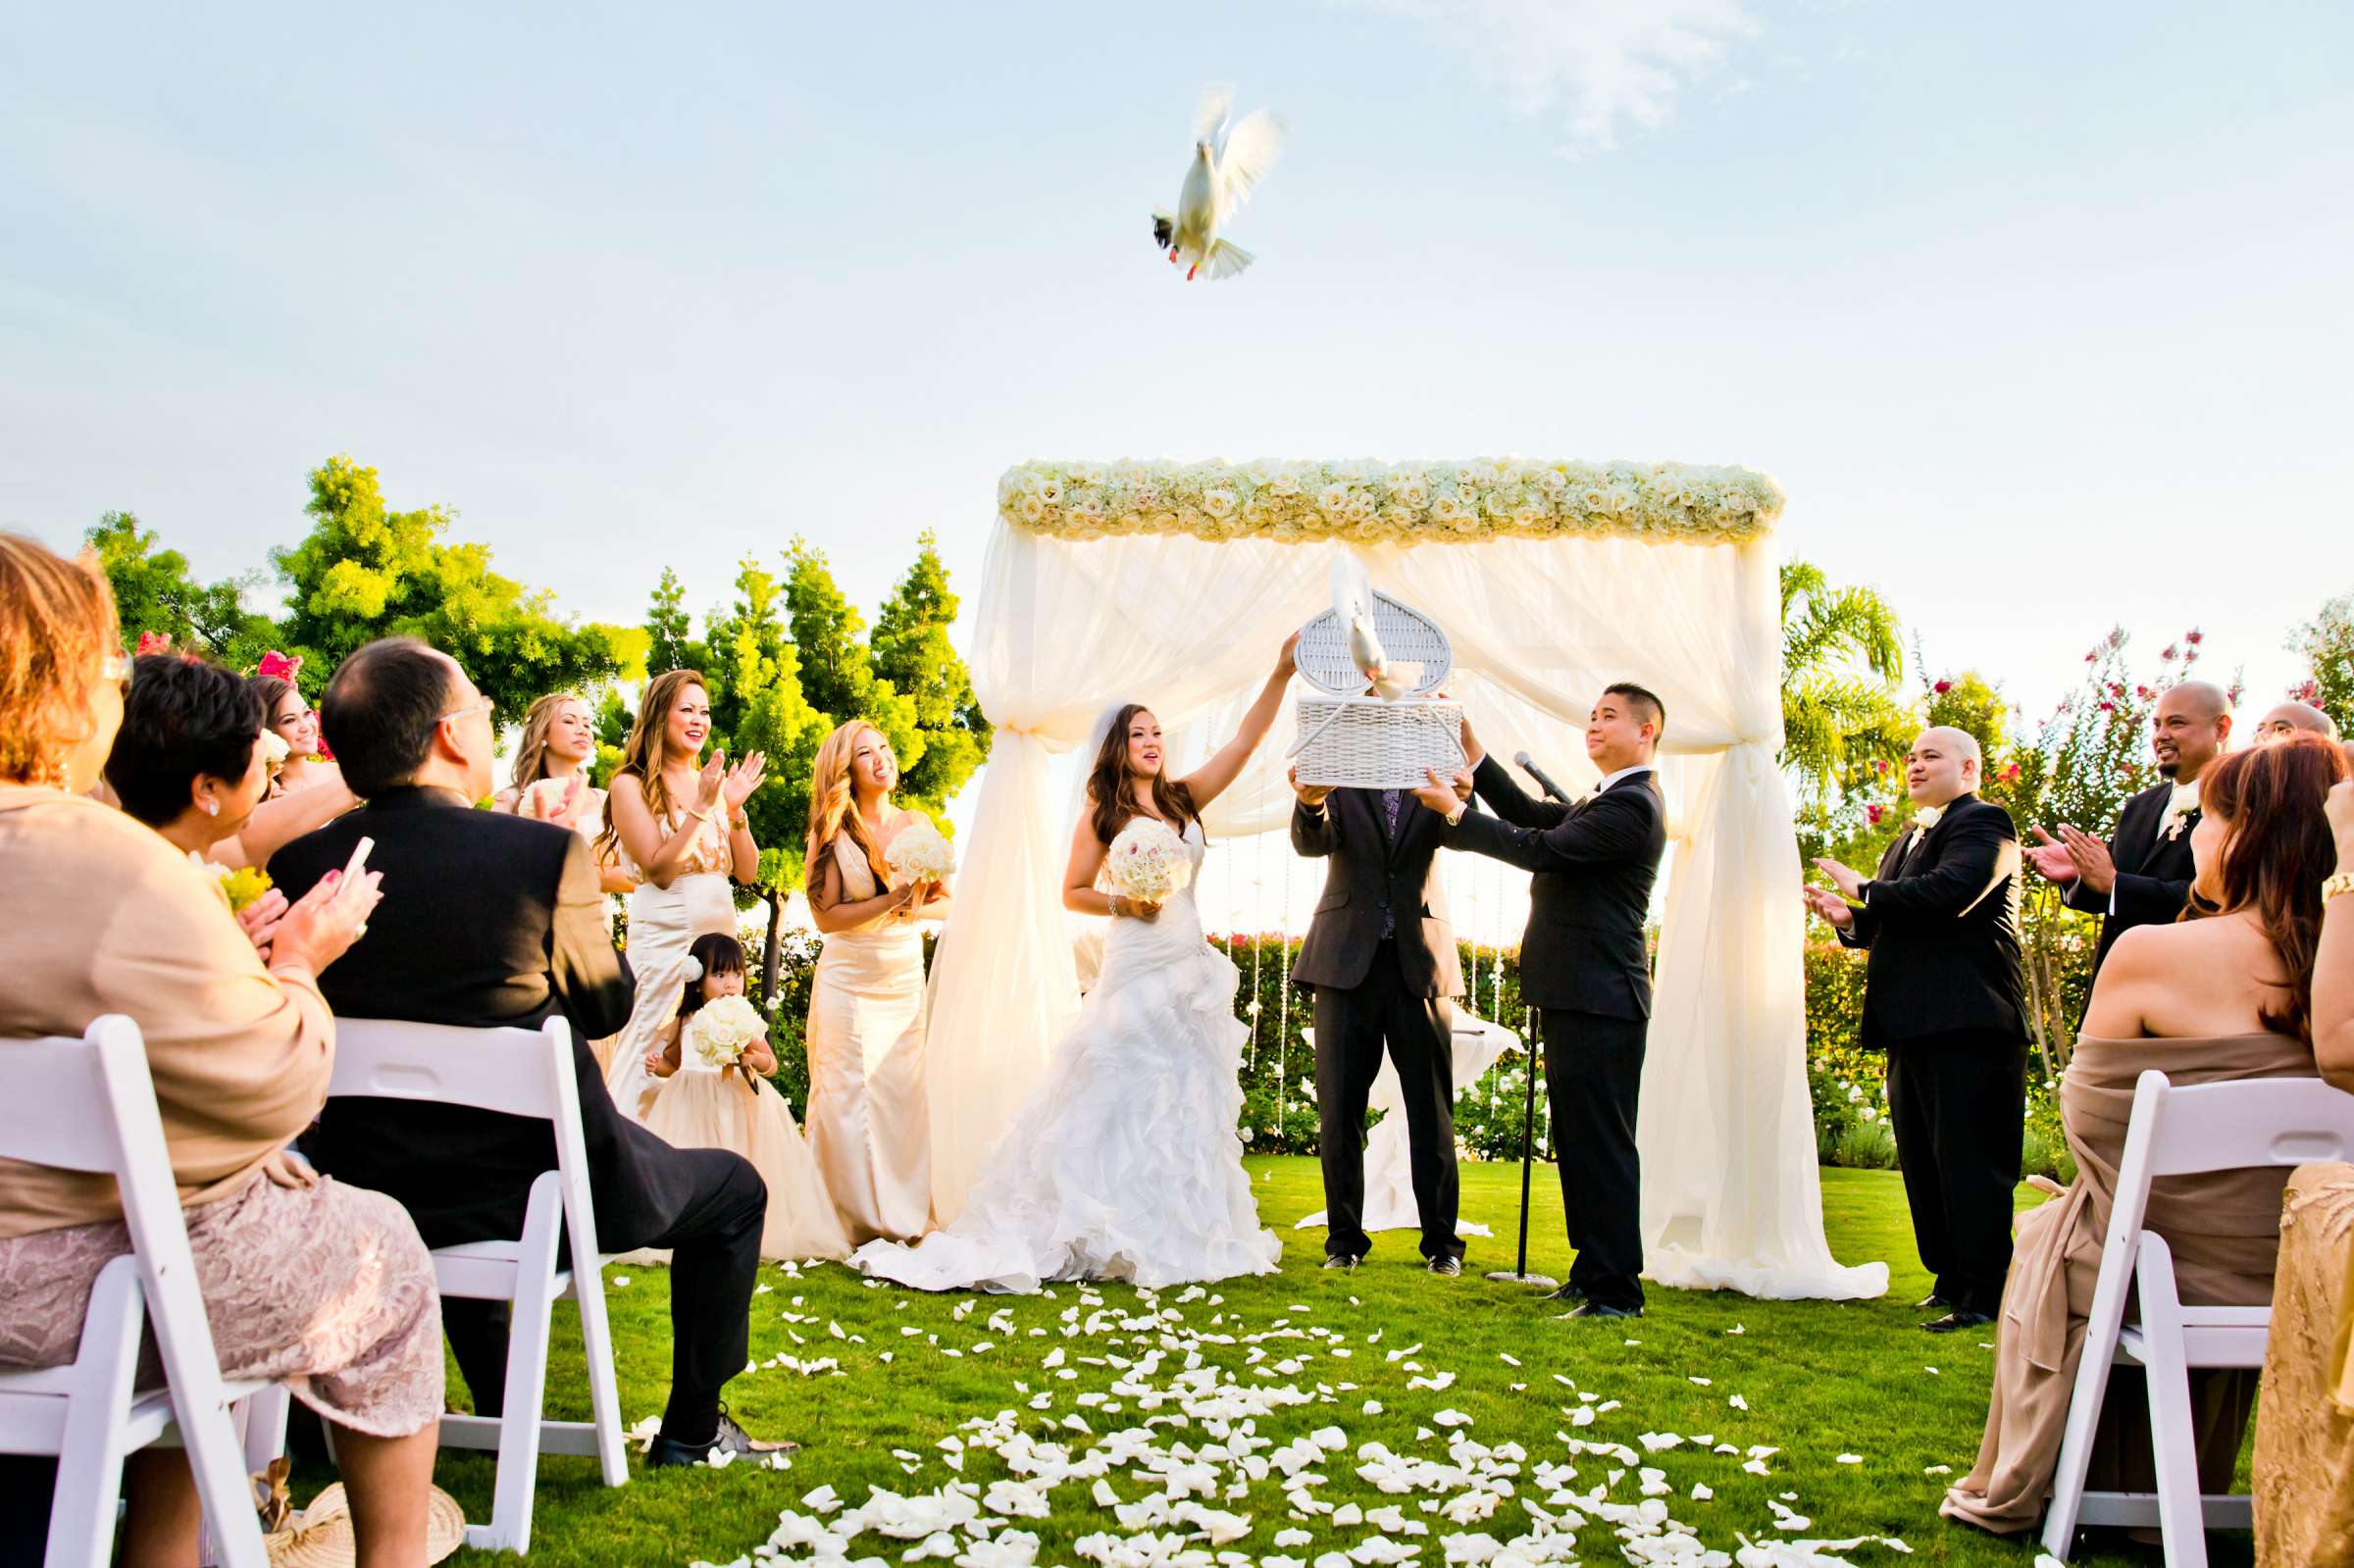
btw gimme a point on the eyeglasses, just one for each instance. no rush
(455, 714)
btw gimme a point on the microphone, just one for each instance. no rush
(1529, 766)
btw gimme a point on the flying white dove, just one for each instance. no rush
(1229, 162)
(1353, 602)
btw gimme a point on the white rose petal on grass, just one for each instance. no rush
(1849, 1460)
(1452, 1418)
(1701, 1491)
(619, 1282)
(1938, 1470)
(1738, 1402)
(1295, 1537)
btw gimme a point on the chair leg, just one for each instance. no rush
(604, 1391)
(89, 1458)
(527, 1374)
(2180, 1514)
(2093, 1366)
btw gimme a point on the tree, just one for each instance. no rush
(2327, 644)
(913, 655)
(838, 674)
(366, 572)
(759, 704)
(670, 629)
(156, 593)
(1842, 708)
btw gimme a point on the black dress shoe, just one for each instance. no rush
(1601, 1309)
(1933, 1299)
(1956, 1320)
(729, 1438)
(1446, 1265)
(1574, 1294)
(1341, 1260)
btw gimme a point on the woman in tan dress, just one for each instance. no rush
(2305, 1423)
(868, 1121)
(2223, 994)
(323, 1286)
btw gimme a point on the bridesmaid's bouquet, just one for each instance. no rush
(918, 853)
(720, 1032)
(1146, 861)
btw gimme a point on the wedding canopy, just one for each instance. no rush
(1174, 585)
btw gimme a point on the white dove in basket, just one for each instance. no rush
(1375, 660)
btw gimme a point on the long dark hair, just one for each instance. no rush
(1111, 784)
(2276, 850)
(720, 954)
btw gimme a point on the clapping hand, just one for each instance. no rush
(709, 782)
(1849, 880)
(259, 920)
(321, 926)
(742, 778)
(2094, 868)
(1311, 795)
(1828, 906)
(2050, 858)
(575, 803)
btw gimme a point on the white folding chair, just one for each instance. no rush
(521, 1073)
(2179, 1131)
(88, 1104)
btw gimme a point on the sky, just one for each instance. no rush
(2037, 312)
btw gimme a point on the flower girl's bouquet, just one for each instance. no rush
(720, 1032)
(918, 853)
(1147, 862)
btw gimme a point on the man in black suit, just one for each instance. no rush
(1945, 997)
(1584, 964)
(1381, 962)
(490, 919)
(2141, 877)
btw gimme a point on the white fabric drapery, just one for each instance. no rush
(1731, 1195)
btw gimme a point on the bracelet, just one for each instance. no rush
(741, 823)
(2340, 882)
(1117, 901)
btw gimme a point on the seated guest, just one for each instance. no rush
(2305, 1423)
(2295, 717)
(319, 1286)
(2216, 997)
(190, 762)
(492, 920)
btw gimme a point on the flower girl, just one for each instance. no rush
(711, 1062)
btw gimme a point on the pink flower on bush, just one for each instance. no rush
(1873, 814)
(2106, 706)
(1879, 765)
(2010, 775)
(2170, 654)
(1942, 687)
(2194, 636)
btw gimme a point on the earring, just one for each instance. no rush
(212, 808)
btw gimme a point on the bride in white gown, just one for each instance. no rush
(1125, 1163)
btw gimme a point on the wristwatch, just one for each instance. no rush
(1457, 815)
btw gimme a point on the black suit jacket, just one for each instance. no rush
(1941, 921)
(1594, 865)
(2153, 873)
(486, 920)
(1364, 867)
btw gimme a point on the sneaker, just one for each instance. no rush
(729, 1438)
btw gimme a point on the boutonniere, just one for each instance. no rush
(1928, 817)
(2179, 808)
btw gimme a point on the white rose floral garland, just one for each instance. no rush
(1382, 503)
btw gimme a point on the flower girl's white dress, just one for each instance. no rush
(1124, 1164)
(700, 1106)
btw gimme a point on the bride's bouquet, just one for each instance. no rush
(720, 1032)
(1146, 861)
(918, 853)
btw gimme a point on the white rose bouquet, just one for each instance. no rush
(918, 853)
(1146, 861)
(720, 1032)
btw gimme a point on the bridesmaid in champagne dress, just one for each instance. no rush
(551, 784)
(680, 833)
(868, 1124)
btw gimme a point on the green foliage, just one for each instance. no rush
(155, 594)
(366, 572)
(1842, 708)
(2327, 644)
(913, 654)
(670, 629)
(759, 703)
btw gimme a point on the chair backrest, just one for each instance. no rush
(519, 1072)
(2225, 1127)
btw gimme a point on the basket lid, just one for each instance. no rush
(1407, 637)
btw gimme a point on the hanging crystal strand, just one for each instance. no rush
(1283, 967)
(1258, 888)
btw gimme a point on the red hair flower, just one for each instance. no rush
(274, 663)
(153, 642)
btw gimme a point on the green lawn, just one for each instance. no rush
(1819, 1381)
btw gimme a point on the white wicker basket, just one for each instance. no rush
(1366, 744)
(1348, 739)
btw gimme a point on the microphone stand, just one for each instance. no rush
(1528, 1128)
